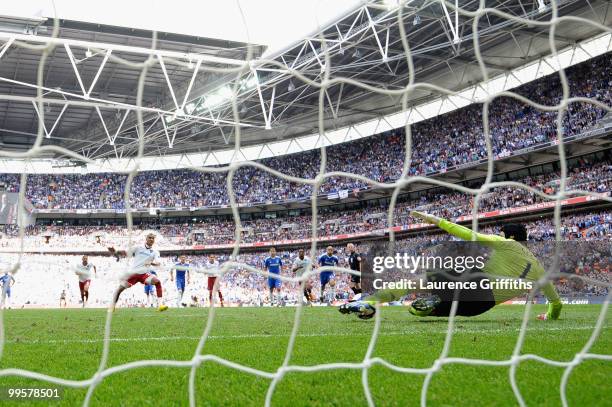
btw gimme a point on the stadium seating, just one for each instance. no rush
(588, 176)
(439, 144)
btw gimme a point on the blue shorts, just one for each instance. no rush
(180, 284)
(8, 292)
(274, 282)
(326, 276)
(149, 289)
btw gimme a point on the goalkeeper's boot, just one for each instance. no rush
(162, 308)
(364, 309)
(554, 311)
(424, 306)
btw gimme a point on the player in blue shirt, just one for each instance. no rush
(181, 268)
(150, 290)
(273, 264)
(7, 281)
(327, 277)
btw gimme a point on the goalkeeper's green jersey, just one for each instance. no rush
(508, 259)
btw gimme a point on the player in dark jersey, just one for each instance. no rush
(355, 262)
(328, 259)
(274, 265)
(509, 258)
(181, 268)
(149, 290)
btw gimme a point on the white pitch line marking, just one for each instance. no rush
(251, 336)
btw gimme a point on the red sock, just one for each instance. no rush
(158, 289)
(220, 296)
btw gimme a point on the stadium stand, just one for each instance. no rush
(439, 144)
(588, 175)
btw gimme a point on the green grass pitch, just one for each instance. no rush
(68, 344)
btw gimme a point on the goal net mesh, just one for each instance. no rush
(200, 354)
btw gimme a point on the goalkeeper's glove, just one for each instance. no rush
(425, 217)
(363, 309)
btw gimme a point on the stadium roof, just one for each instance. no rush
(278, 112)
(243, 21)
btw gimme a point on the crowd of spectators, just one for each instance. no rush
(438, 144)
(586, 176)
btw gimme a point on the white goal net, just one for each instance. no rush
(323, 82)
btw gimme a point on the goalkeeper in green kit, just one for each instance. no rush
(509, 259)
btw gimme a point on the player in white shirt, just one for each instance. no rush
(213, 266)
(83, 270)
(143, 259)
(300, 265)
